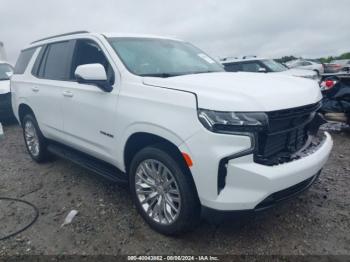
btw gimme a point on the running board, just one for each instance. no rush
(88, 162)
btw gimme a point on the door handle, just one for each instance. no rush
(35, 89)
(67, 94)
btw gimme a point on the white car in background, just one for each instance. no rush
(264, 65)
(306, 64)
(6, 70)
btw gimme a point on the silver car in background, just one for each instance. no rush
(264, 65)
(307, 65)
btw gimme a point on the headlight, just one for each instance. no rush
(226, 122)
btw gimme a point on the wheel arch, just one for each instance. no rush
(139, 140)
(23, 109)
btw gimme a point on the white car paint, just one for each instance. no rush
(242, 91)
(4, 84)
(91, 72)
(167, 107)
(4, 87)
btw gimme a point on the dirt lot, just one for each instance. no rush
(317, 222)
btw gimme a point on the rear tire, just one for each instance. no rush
(35, 142)
(163, 193)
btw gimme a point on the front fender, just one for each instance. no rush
(149, 128)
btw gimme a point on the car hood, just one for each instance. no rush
(4, 87)
(299, 72)
(226, 91)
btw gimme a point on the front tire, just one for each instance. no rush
(35, 142)
(163, 193)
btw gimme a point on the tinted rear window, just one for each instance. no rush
(23, 60)
(233, 67)
(57, 61)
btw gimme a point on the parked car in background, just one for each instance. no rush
(306, 64)
(262, 65)
(6, 70)
(343, 65)
(336, 99)
(164, 117)
(331, 67)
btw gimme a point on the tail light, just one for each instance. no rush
(328, 84)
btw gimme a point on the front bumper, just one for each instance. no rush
(269, 202)
(249, 184)
(5, 106)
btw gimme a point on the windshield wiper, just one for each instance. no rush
(164, 75)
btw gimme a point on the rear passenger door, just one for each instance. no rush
(89, 113)
(51, 70)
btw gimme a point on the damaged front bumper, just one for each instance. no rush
(248, 183)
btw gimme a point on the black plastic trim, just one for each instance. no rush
(97, 166)
(222, 171)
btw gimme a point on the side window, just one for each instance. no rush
(88, 52)
(55, 61)
(251, 67)
(23, 60)
(39, 60)
(234, 67)
(306, 63)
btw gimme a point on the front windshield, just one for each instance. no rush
(162, 57)
(274, 66)
(5, 72)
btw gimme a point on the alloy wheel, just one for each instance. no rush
(157, 191)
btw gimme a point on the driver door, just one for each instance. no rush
(89, 112)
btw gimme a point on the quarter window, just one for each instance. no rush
(23, 60)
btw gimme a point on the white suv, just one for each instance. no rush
(163, 116)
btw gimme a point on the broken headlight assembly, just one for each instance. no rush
(232, 122)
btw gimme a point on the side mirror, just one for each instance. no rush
(262, 70)
(93, 74)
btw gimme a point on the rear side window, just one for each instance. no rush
(23, 60)
(55, 61)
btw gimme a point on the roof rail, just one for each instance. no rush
(228, 58)
(54, 36)
(248, 56)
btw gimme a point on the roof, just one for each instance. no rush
(66, 36)
(140, 36)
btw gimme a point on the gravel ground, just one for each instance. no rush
(317, 222)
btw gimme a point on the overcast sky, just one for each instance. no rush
(270, 28)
